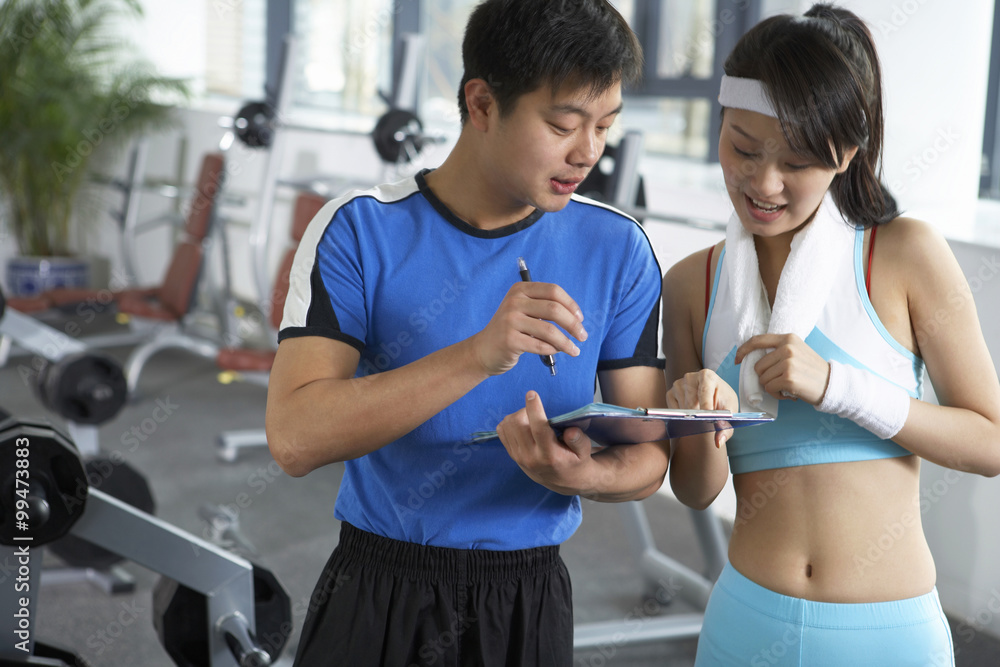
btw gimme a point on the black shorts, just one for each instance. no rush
(382, 602)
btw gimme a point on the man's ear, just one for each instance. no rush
(848, 156)
(480, 102)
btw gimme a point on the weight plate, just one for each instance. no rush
(87, 388)
(388, 146)
(180, 617)
(254, 124)
(49, 486)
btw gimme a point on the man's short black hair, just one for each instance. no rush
(516, 46)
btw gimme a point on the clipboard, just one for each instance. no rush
(608, 424)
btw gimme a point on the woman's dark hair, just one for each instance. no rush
(516, 46)
(824, 79)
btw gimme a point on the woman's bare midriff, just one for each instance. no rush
(838, 532)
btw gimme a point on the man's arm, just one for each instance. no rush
(570, 466)
(319, 413)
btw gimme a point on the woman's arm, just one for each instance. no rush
(963, 432)
(922, 298)
(698, 465)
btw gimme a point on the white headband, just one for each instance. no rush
(749, 94)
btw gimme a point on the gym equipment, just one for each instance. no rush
(254, 124)
(230, 590)
(86, 387)
(666, 578)
(119, 480)
(620, 185)
(224, 529)
(399, 136)
(161, 313)
(41, 504)
(255, 364)
(623, 189)
(79, 384)
(180, 616)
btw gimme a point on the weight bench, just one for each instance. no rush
(210, 608)
(159, 313)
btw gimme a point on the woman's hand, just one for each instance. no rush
(704, 390)
(791, 369)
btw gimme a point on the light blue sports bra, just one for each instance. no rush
(847, 331)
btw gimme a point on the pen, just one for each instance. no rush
(547, 359)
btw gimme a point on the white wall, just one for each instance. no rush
(935, 57)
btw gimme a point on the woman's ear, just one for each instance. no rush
(848, 156)
(480, 102)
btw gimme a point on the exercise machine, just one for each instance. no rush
(86, 388)
(211, 607)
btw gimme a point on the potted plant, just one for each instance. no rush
(69, 91)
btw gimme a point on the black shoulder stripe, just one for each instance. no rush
(320, 313)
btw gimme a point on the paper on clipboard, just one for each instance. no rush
(614, 425)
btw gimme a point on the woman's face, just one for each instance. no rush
(773, 189)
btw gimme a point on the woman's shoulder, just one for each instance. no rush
(692, 275)
(916, 256)
(910, 240)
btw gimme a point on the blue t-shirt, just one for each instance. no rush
(394, 273)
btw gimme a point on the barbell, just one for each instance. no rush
(398, 134)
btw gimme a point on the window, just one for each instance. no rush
(234, 51)
(443, 26)
(685, 44)
(346, 51)
(342, 48)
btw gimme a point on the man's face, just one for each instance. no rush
(547, 144)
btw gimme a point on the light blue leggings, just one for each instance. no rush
(747, 625)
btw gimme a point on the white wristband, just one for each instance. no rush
(866, 399)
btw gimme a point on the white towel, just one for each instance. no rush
(803, 289)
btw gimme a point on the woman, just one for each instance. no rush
(823, 307)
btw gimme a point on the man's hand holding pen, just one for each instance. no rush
(526, 321)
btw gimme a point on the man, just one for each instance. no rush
(408, 327)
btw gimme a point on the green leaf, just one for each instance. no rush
(70, 88)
